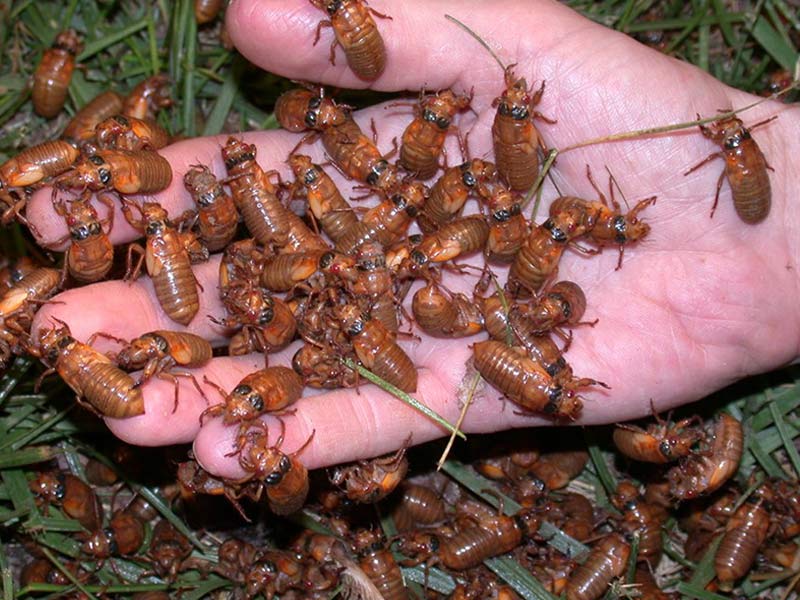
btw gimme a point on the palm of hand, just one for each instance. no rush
(685, 315)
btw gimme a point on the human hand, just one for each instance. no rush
(697, 304)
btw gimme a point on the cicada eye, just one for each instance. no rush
(105, 175)
(256, 401)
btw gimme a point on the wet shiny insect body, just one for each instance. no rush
(451, 191)
(284, 478)
(15, 271)
(525, 382)
(607, 560)
(321, 368)
(445, 315)
(158, 353)
(123, 536)
(282, 272)
(326, 203)
(127, 172)
(37, 163)
(90, 255)
(129, 133)
(148, 97)
(356, 33)
(423, 139)
(745, 168)
(217, 217)
(660, 443)
(75, 498)
(206, 11)
(418, 505)
(306, 108)
(639, 516)
(370, 481)
(745, 533)
(705, 472)
(81, 128)
(108, 390)
(516, 140)
(562, 304)
(557, 468)
(491, 536)
(377, 349)
(456, 238)
(168, 549)
(607, 224)
(54, 73)
(376, 560)
(508, 226)
(254, 194)
(269, 324)
(266, 391)
(167, 260)
(357, 156)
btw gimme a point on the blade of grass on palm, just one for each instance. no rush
(787, 439)
(398, 393)
(774, 44)
(109, 39)
(519, 578)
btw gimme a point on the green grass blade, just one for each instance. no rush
(188, 104)
(110, 39)
(5, 575)
(774, 44)
(519, 578)
(693, 591)
(437, 580)
(608, 480)
(12, 378)
(29, 456)
(398, 393)
(222, 106)
(788, 441)
(705, 568)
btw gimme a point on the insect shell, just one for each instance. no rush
(206, 11)
(326, 203)
(745, 169)
(424, 137)
(127, 172)
(91, 254)
(302, 108)
(129, 133)
(490, 536)
(81, 127)
(705, 472)
(451, 191)
(564, 303)
(54, 73)
(745, 533)
(321, 367)
(357, 34)
(148, 98)
(217, 217)
(370, 481)
(516, 140)
(284, 478)
(456, 238)
(526, 383)
(268, 321)
(607, 560)
(659, 443)
(76, 498)
(268, 390)
(91, 375)
(357, 156)
(418, 505)
(168, 549)
(445, 315)
(124, 535)
(508, 228)
(556, 469)
(167, 260)
(255, 196)
(36, 163)
(377, 562)
(377, 350)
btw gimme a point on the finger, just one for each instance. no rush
(423, 48)
(127, 310)
(273, 150)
